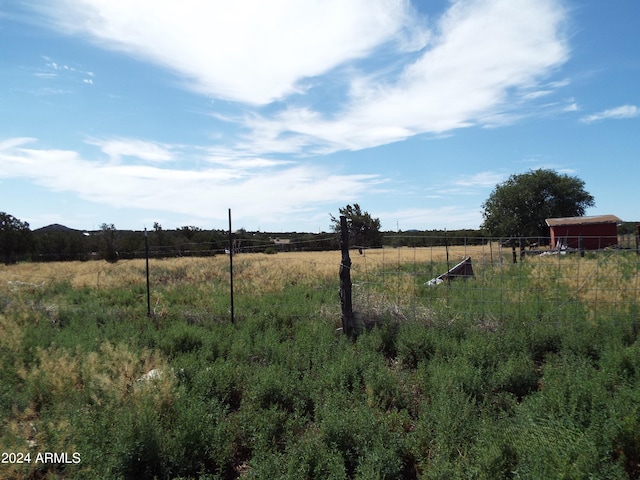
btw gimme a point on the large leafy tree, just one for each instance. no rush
(519, 206)
(15, 237)
(364, 230)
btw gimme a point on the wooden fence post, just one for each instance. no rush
(345, 279)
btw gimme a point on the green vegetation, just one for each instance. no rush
(364, 230)
(519, 206)
(475, 383)
(15, 238)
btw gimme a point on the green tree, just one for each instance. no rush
(519, 206)
(15, 238)
(364, 230)
(189, 231)
(109, 249)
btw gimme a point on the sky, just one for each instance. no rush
(135, 112)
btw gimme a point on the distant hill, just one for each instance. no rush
(55, 228)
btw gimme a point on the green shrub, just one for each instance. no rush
(383, 388)
(201, 439)
(517, 376)
(366, 443)
(312, 458)
(445, 432)
(136, 445)
(416, 343)
(180, 338)
(543, 339)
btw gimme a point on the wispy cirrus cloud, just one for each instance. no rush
(481, 179)
(117, 148)
(451, 216)
(618, 113)
(485, 57)
(54, 70)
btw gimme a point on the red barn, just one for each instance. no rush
(596, 232)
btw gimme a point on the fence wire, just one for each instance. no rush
(498, 280)
(486, 281)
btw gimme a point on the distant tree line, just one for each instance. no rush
(435, 238)
(59, 243)
(112, 245)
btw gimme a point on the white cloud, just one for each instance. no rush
(11, 143)
(117, 148)
(271, 192)
(55, 70)
(46, 75)
(481, 179)
(487, 52)
(479, 62)
(625, 111)
(451, 217)
(217, 157)
(246, 50)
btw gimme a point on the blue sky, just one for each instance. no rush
(135, 112)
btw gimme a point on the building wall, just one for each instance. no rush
(595, 236)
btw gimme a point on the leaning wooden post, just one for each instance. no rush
(345, 279)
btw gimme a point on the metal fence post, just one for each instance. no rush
(231, 268)
(146, 255)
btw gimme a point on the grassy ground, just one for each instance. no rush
(497, 377)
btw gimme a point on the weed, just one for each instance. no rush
(527, 371)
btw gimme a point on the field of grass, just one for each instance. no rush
(527, 371)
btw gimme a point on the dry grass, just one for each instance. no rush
(604, 281)
(110, 373)
(11, 334)
(593, 279)
(114, 374)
